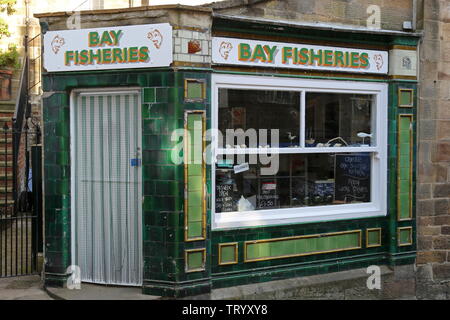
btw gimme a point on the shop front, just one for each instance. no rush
(184, 155)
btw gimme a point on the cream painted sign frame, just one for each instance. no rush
(261, 53)
(124, 47)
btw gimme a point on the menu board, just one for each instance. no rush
(268, 197)
(224, 192)
(352, 178)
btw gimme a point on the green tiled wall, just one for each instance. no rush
(163, 111)
(163, 181)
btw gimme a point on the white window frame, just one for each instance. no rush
(378, 204)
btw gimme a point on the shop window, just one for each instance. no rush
(326, 161)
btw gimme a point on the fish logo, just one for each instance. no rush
(224, 49)
(57, 43)
(156, 37)
(378, 58)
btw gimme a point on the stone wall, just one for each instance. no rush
(345, 12)
(433, 187)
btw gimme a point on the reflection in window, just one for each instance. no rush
(302, 180)
(336, 119)
(260, 109)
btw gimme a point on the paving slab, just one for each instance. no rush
(99, 292)
(23, 288)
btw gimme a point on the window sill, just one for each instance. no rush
(227, 220)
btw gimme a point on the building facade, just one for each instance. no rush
(144, 187)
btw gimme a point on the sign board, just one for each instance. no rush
(300, 56)
(138, 46)
(352, 178)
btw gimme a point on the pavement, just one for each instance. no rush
(23, 288)
(99, 292)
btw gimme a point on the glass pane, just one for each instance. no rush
(337, 119)
(260, 109)
(300, 180)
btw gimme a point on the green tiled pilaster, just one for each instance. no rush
(195, 178)
(405, 170)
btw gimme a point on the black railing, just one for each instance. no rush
(20, 212)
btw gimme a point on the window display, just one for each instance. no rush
(330, 160)
(302, 180)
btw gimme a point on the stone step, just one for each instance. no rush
(8, 106)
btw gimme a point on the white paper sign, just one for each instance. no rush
(300, 56)
(139, 46)
(241, 167)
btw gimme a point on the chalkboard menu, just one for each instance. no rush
(352, 178)
(268, 198)
(224, 192)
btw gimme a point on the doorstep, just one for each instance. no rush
(99, 292)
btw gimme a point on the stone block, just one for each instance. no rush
(442, 190)
(441, 271)
(424, 257)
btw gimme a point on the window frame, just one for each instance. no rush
(281, 216)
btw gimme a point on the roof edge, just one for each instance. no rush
(316, 25)
(120, 10)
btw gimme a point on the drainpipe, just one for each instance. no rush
(27, 61)
(414, 15)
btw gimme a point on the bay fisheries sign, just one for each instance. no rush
(138, 46)
(300, 56)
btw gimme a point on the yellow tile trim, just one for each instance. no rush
(302, 237)
(228, 244)
(400, 90)
(410, 166)
(186, 253)
(367, 238)
(410, 236)
(186, 166)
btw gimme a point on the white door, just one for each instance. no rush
(106, 186)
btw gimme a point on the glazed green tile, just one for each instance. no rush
(194, 90)
(195, 213)
(195, 183)
(194, 121)
(194, 260)
(195, 229)
(404, 124)
(195, 198)
(264, 249)
(195, 170)
(405, 147)
(405, 98)
(252, 251)
(405, 173)
(373, 237)
(227, 253)
(404, 236)
(404, 186)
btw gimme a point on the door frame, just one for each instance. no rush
(73, 95)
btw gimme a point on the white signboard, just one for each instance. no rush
(139, 46)
(301, 56)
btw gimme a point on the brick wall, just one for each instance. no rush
(433, 187)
